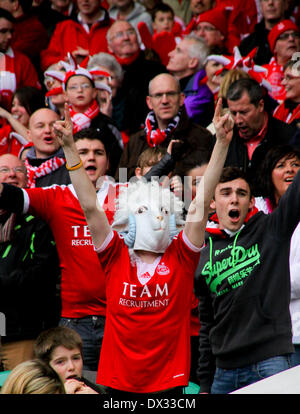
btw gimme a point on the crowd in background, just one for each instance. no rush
(141, 80)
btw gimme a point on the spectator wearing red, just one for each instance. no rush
(289, 110)
(30, 36)
(83, 36)
(284, 41)
(15, 67)
(212, 26)
(138, 71)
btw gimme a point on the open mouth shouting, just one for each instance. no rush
(234, 215)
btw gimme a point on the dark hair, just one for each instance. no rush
(248, 85)
(94, 133)
(26, 5)
(162, 7)
(272, 157)
(5, 14)
(31, 98)
(49, 340)
(195, 159)
(79, 74)
(233, 173)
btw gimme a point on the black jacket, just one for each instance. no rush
(193, 136)
(258, 38)
(129, 106)
(278, 133)
(29, 273)
(243, 284)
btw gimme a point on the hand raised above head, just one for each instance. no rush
(223, 123)
(63, 129)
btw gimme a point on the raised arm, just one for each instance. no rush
(198, 211)
(85, 190)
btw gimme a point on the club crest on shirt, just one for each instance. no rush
(162, 269)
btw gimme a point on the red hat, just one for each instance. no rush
(279, 28)
(216, 17)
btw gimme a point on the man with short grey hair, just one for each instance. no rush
(186, 64)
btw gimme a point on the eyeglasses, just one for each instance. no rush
(206, 28)
(285, 36)
(4, 31)
(6, 170)
(120, 35)
(82, 86)
(160, 95)
(289, 78)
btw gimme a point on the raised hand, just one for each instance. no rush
(63, 129)
(223, 123)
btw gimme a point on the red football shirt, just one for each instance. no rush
(82, 277)
(146, 345)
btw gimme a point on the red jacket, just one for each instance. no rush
(19, 72)
(70, 34)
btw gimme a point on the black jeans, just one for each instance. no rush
(91, 331)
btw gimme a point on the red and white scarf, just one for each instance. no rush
(83, 120)
(156, 136)
(44, 169)
(8, 82)
(286, 114)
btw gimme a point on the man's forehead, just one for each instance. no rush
(8, 160)
(43, 116)
(119, 27)
(237, 184)
(163, 84)
(244, 101)
(86, 143)
(4, 23)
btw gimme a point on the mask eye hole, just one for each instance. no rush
(141, 210)
(164, 210)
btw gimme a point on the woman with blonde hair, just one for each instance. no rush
(33, 377)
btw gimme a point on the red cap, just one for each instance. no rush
(216, 17)
(279, 28)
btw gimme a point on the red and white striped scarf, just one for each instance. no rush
(83, 120)
(155, 136)
(45, 168)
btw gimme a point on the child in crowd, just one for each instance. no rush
(166, 32)
(163, 20)
(61, 348)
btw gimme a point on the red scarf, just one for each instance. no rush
(8, 83)
(285, 114)
(127, 61)
(83, 120)
(45, 168)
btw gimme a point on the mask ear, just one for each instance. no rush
(175, 228)
(129, 235)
